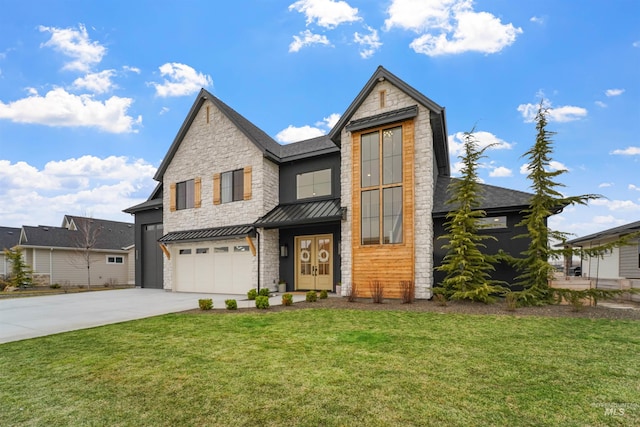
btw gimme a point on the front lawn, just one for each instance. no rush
(327, 367)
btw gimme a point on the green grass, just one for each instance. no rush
(326, 367)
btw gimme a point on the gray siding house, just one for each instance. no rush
(54, 253)
(235, 210)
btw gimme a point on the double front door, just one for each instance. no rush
(314, 262)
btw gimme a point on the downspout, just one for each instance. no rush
(51, 266)
(258, 238)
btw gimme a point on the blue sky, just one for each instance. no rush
(92, 94)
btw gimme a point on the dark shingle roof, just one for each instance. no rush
(9, 237)
(153, 202)
(113, 235)
(383, 118)
(308, 148)
(492, 199)
(302, 213)
(216, 233)
(633, 227)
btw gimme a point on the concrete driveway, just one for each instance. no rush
(30, 317)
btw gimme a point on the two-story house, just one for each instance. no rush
(235, 210)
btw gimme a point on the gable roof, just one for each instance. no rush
(9, 237)
(267, 145)
(493, 199)
(633, 227)
(308, 148)
(114, 235)
(438, 122)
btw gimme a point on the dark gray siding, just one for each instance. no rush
(289, 171)
(148, 256)
(505, 242)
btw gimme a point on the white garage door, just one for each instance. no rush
(214, 268)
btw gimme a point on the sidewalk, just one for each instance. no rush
(30, 317)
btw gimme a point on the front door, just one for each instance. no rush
(314, 262)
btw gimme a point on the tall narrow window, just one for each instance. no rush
(381, 200)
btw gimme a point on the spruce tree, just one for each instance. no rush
(20, 271)
(536, 269)
(467, 268)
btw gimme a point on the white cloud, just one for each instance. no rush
(636, 44)
(600, 104)
(60, 108)
(615, 205)
(180, 80)
(294, 134)
(483, 139)
(614, 92)
(307, 38)
(131, 69)
(633, 187)
(605, 185)
(96, 82)
(566, 113)
(75, 43)
(450, 27)
(163, 110)
(330, 121)
(370, 42)
(629, 151)
(501, 172)
(326, 13)
(537, 20)
(102, 187)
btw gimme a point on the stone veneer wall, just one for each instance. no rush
(215, 147)
(424, 182)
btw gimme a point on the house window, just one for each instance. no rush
(313, 184)
(115, 259)
(202, 251)
(232, 186)
(241, 248)
(185, 252)
(221, 250)
(185, 192)
(492, 222)
(381, 198)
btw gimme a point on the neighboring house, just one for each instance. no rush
(55, 254)
(618, 263)
(9, 238)
(236, 210)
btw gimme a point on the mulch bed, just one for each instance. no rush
(452, 307)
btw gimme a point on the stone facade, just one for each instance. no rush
(424, 183)
(214, 146)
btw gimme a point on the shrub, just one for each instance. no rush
(287, 299)
(377, 291)
(262, 302)
(512, 301)
(351, 293)
(55, 286)
(408, 291)
(264, 292)
(231, 304)
(205, 304)
(252, 294)
(324, 294)
(312, 296)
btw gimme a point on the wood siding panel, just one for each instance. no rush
(392, 263)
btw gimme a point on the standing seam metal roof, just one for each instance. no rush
(302, 213)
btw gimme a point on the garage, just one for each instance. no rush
(214, 267)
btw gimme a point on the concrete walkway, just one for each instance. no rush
(30, 317)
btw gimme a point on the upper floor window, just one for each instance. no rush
(115, 259)
(232, 186)
(492, 222)
(381, 198)
(185, 192)
(313, 184)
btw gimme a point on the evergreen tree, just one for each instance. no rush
(467, 268)
(536, 269)
(20, 271)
